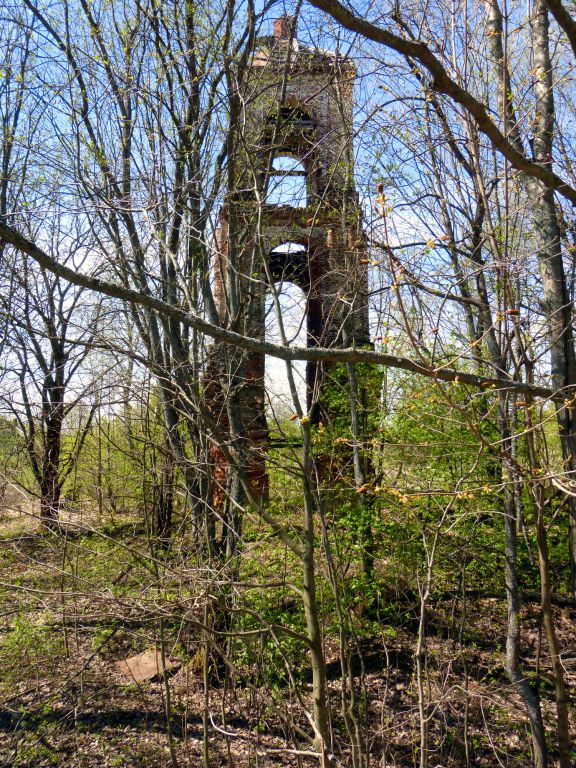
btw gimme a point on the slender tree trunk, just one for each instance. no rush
(361, 471)
(562, 719)
(50, 496)
(558, 311)
(561, 694)
(164, 501)
(556, 301)
(317, 658)
(514, 671)
(50, 482)
(528, 694)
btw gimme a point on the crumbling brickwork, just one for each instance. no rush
(297, 104)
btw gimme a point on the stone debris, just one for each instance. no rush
(146, 666)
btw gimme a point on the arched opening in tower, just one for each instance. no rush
(286, 318)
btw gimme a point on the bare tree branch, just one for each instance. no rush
(443, 83)
(10, 236)
(564, 20)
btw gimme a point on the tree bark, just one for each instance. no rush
(514, 671)
(556, 302)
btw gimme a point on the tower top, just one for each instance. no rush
(282, 48)
(282, 27)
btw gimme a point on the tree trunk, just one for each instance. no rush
(317, 659)
(164, 501)
(514, 671)
(561, 694)
(556, 302)
(362, 469)
(50, 495)
(50, 481)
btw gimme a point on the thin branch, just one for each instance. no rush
(443, 83)
(317, 354)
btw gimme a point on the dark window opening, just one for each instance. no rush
(288, 262)
(294, 117)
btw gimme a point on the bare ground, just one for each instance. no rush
(76, 602)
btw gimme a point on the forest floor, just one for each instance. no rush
(75, 603)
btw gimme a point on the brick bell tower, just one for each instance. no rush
(293, 216)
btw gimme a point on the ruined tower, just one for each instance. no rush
(293, 215)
